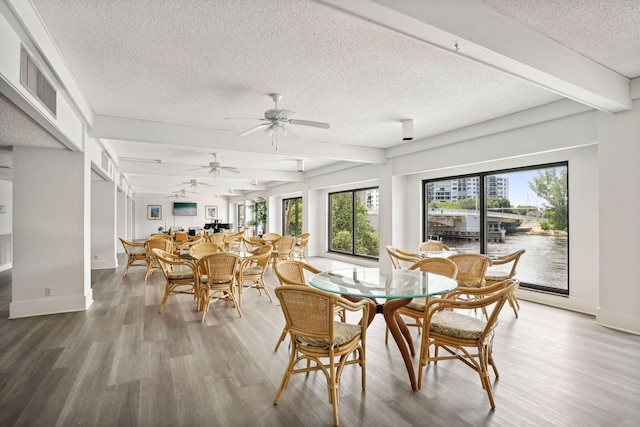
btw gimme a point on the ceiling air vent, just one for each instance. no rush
(34, 80)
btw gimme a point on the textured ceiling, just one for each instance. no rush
(197, 63)
(605, 31)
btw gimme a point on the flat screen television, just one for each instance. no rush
(185, 209)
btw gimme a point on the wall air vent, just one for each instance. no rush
(34, 80)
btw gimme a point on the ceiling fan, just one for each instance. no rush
(276, 121)
(181, 194)
(216, 168)
(194, 183)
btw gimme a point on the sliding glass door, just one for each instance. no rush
(354, 222)
(500, 212)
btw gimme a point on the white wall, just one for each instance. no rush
(145, 227)
(103, 225)
(619, 204)
(51, 231)
(576, 138)
(6, 219)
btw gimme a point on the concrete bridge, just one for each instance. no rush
(465, 223)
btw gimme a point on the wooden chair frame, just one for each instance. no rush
(432, 245)
(314, 335)
(182, 280)
(136, 254)
(300, 249)
(469, 344)
(252, 270)
(415, 309)
(152, 262)
(397, 256)
(217, 280)
(493, 276)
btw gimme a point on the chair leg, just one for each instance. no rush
(165, 297)
(513, 302)
(287, 373)
(484, 374)
(283, 335)
(231, 295)
(205, 303)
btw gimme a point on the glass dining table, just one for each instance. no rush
(395, 287)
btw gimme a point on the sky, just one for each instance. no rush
(520, 194)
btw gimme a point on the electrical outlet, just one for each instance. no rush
(47, 292)
(96, 257)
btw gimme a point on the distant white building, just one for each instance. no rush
(467, 188)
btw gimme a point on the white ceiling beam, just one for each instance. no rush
(119, 128)
(474, 31)
(181, 170)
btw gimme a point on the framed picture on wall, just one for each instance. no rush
(210, 212)
(154, 212)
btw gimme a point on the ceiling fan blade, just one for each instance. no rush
(309, 123)
(254, 129)
(195, 169)
(230, 169)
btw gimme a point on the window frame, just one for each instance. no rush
(354, 223)
(482, 175)
(298, 214)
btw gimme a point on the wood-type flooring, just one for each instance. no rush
(121, 363)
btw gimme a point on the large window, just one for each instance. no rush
(292, 217)
(499, 212)
(354, 222)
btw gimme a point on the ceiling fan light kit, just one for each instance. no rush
(276, 121)
(216, 168)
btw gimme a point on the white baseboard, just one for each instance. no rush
(616, 320)
(48, 305)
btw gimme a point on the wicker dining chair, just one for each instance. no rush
(152, 262)
(160, 236)
(183, 247)
(136, 254)
(398, 257)
(471, 271)
(251, 243)
(217, 280)
(506, 270)
(432, 245)
(252, 270)
(204, 248)
(415, 308)
(282, 249)
(180, 275)
(294, 272)
(217, 238)
(300, 250)
(315, 336)
(450, 325)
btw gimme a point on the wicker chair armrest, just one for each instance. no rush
(355, 306)
(489, 295)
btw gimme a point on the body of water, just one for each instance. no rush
(545, 262)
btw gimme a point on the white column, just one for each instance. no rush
(51, 230)
(104, 237)
(122, 219)
(619, 204)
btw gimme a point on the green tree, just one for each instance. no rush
(259, 221)
(551, 185)
(366, 239)
(293, 216)
(342, 221)
(499, 204)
